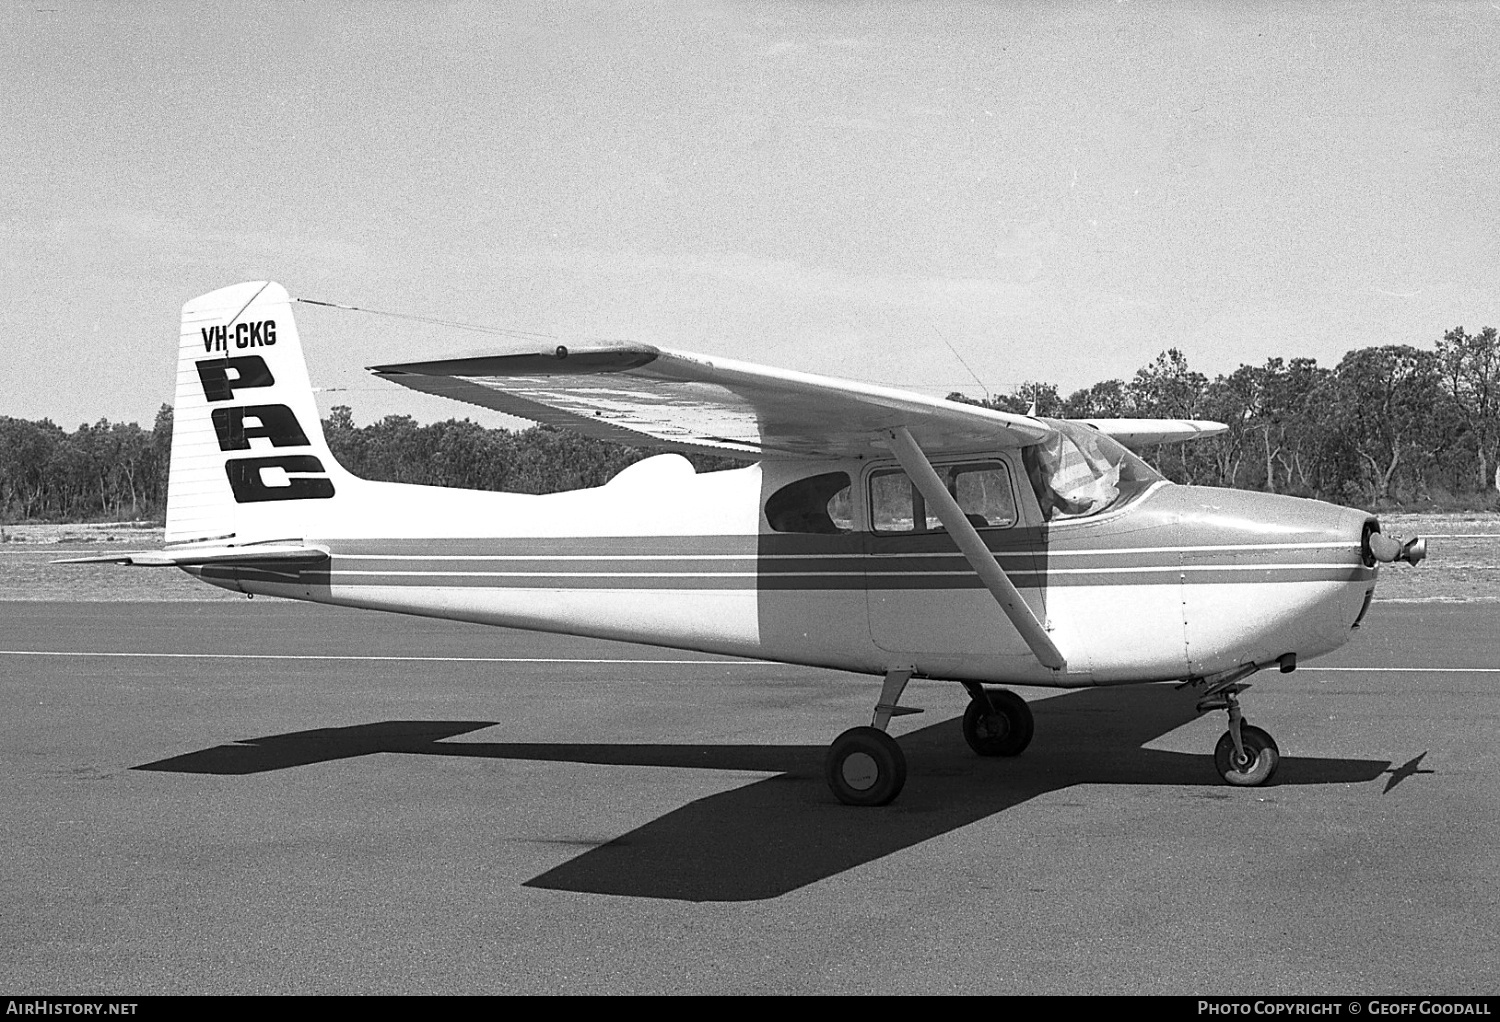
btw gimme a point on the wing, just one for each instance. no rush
(646, 396)
(1138, 433)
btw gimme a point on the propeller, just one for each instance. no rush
(1387, 548)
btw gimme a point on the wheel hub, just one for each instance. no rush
(994, 725)
(860, 771)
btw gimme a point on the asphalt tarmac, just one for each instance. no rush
(264, 797)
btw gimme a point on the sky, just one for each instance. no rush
(1055, 192)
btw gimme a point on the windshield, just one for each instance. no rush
(1078, 472)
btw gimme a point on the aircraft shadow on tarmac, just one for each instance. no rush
(782, 833)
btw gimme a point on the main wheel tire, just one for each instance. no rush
(1260, 762)
(1000, 725)
(865, 767)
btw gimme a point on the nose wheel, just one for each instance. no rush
(1254, 763)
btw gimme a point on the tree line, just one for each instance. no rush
(1389, 425)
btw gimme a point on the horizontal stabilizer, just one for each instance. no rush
(1138, 433)
(267, 554)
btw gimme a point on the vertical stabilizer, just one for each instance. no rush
(249, 462)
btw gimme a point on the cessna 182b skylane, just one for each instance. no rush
(878, 531)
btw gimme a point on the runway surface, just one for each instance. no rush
(317, 812)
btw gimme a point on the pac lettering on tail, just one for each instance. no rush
(287, 477)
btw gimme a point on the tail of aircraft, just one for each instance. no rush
(249, 461)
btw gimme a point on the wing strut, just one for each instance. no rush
(926, 480)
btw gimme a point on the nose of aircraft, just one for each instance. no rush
(1266, 575)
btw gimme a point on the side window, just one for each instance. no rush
(818, 504)
(982, 490)
(896, 505)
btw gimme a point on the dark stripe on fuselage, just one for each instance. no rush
(786, 563)
(872, 563)
(778, 583)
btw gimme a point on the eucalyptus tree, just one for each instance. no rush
(1388, 406)
(1471, 373)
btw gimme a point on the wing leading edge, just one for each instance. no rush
(647, 396)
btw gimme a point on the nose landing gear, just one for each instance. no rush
(1246, 756)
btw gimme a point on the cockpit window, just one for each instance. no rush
(1078, 472)
(818, 504)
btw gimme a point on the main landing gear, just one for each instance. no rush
(1246, 756)
(997, 722)
(865, 766)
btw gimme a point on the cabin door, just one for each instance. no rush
(923, 597)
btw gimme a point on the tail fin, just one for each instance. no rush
(249, 461)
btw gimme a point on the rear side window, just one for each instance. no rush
(983, 492)
(817, 504)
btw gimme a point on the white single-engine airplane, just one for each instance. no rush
(878, 531)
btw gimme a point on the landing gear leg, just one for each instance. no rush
(864, 765)
(1246, 756)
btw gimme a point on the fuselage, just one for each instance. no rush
(1178, 582)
